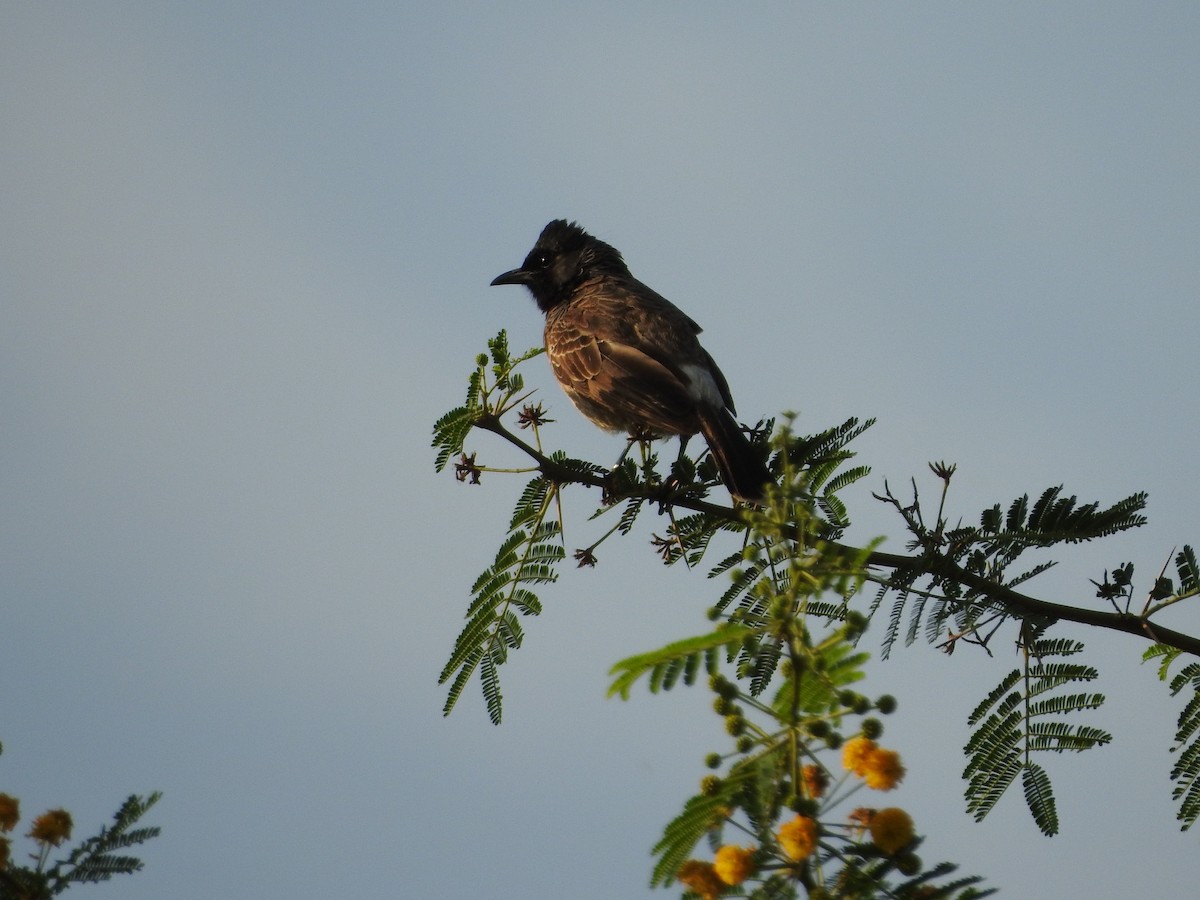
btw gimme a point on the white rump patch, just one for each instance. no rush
(702, 386)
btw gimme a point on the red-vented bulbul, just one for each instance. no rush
(627, 357)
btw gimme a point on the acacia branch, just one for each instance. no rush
(929, 564)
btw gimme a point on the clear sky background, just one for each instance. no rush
(244, 263)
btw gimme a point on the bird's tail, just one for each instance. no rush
(742, 469)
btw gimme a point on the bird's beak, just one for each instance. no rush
(513, 276)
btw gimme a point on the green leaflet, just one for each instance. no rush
(988, 550)
(1186, 771)
(528, 556)
(664, 665)
(94, 860)
(1010, 725)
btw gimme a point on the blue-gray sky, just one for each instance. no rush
(244, 264)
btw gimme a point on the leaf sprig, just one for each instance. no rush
(787, 621)
(1019, 718)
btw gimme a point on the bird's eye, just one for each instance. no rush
(538, 259)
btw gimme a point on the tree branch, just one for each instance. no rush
(935, 565)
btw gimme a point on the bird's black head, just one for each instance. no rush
(563, 256)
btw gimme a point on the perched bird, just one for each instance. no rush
(627, 357)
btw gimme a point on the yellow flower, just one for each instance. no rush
(733, 864)
(700, 878)
(882, 769)
(52, 827)
(891, 829)
(854, 753)
(816, 780)
(4, 853)
(798, 838)
(10, 812)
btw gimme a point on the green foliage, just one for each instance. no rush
(786, 620)
(1021, 716)
(532, 550)
(840, 666)
(665, 665)
(1056, 519)
(701, 814)
(1186, 771)
(1165, 656)
(92, 860)
(961, 565)
(1189, 571)
(528, 557)
(486, 397)
(775, 626)
(95, 860)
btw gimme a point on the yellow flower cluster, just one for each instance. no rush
(701, 878)
(52, 827)
(798, 838)
(854, 753)
(733, 864)
(891, 829)
(880, 768)
(816, 781)
(10, 812)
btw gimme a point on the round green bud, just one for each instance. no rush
(909, 864)
(856, 621)
(723, 687)
(817, 727)
(886, 704)
(734, 725)
(713, 760)
(744, 744)
(872, 729)
(804, 806)
(710, 785)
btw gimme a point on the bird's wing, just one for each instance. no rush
(662, 330)
(597, 367)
